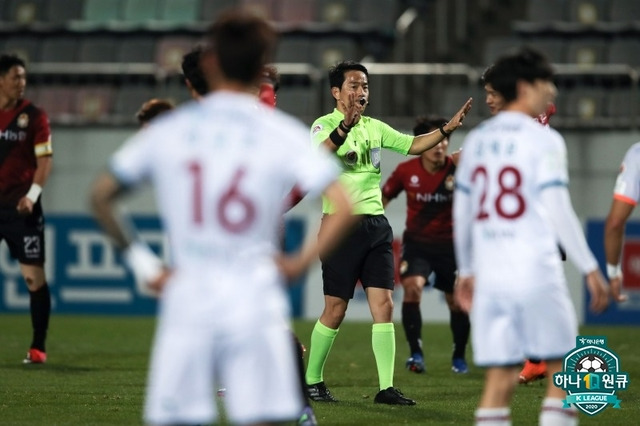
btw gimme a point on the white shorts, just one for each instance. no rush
(508, 328)
(249, 350)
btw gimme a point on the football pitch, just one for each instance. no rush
(97, 365)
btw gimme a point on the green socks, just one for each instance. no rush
(383, 342)
(322, 339)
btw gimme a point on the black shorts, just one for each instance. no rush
(24, 234)
(422, 259)
(364, 255)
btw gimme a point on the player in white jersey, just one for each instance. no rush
(220, 172)
(510, 207)
(626, 195)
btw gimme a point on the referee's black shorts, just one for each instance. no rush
(365, 255)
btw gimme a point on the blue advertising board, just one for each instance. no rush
(627, 312)
(86, 273)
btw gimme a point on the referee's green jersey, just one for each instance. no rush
(360, 158)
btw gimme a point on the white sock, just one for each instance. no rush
(552, 414)
(493, 416)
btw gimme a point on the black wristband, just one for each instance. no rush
(444, 132)
(336, 138)
(345, 129)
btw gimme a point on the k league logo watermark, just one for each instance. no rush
(591, 376)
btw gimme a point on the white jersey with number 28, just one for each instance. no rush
(505, 164)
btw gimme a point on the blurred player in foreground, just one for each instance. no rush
(219, 170)
(511, 205)
(25, 164)
(427, 242)
(533, 369)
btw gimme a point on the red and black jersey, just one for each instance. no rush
(24, 136)
(429, 200)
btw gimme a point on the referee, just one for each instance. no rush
(366, 254)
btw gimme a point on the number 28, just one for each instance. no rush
(509, 189)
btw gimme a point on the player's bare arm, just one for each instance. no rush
(613, 238)
(598, 290)
(427, 141)
(463, 293)
(146, 266)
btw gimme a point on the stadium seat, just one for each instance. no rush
(24, 11)
(587, 12)
(330, 50)
(586, 52)
(97, 49)
(93, 104)
(294, 48)
(136, 49)
(170, 50)
(497, 46)
(545, 11)
(335, 11)
(59, 49)
(624, 10)
(295, 11)
(622, 106)
(624, 51)
(128, 100)
(180, 11)
(101, 12)
(140, 11)
(58, 102)
(583, 104)
(301, 101)
(60, 12)
(26, 47)
(553, 47)
(262, 8)
(380, 14)
(209, 10)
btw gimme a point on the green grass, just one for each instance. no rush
(97, 367)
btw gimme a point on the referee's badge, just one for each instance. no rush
(375, 157)
(450, 182)
(23, 120)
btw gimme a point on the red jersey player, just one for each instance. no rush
(25, 164)
(427, 243)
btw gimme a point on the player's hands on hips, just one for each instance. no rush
(25, 206)
(354, 110)
(463, 293)
(598, 290)
(458, 118)
(615, 285)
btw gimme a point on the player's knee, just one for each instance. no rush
(33, 282)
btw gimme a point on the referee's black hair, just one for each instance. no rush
(336, 72)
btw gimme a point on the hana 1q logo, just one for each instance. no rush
(591, 376)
